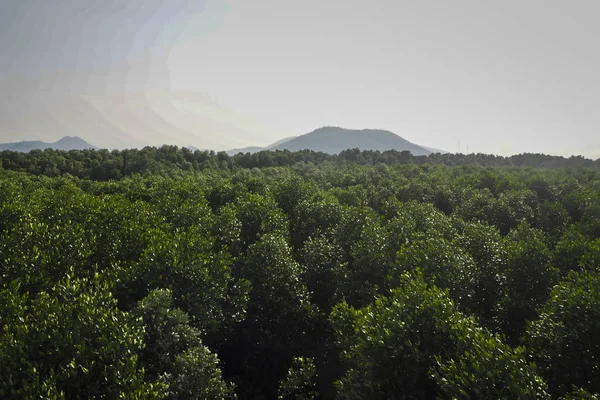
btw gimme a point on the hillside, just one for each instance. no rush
(66, 143)
(333, 140)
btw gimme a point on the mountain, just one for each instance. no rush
(66, 143)
(333, 140)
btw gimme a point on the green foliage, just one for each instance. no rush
(257, 215)
(483, 243)
(198, 278)
(415, 344)
(197, 376)
(73, 342)
(442, 264)
(505, 211)
(174, 354)
(277, 320)
(362, 240)
(564, 340)
(552, 218)
(529, 279)
(489, 369)
(569, 251)
(163, 272)
(580, 394)
(323, 267)
(300, 381)
(315, 216)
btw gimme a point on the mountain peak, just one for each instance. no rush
(331, 128)
(334, 139)
(65, 143)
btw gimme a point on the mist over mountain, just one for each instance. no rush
(66, 143)
(126, 120)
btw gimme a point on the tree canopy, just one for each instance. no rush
(165, 273)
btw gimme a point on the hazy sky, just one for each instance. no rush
(501, 77)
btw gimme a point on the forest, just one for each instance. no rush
(163, 273)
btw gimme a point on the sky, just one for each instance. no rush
(500, 77)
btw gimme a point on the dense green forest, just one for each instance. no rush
(165, 273)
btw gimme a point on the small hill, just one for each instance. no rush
(66, 143)
(251, 149)
(431, 149)
(256, 149)
(280, 142)
(333, 140)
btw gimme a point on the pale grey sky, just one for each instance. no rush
(501, 77)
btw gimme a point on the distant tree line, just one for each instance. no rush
(170, 274)
(102, 165)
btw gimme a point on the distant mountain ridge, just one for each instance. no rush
(333, 140)
(66, 143)
(329, 139)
